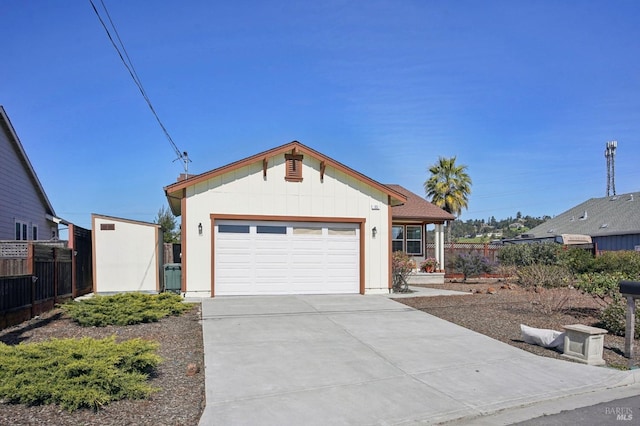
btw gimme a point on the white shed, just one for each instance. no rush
(127, 255)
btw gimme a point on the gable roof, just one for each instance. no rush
(6, 125)
(175, 193)
(417, 208)
(596, 217)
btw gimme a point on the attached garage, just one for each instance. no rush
(285, 221)
(273, 257)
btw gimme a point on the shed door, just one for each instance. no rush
(286, 258)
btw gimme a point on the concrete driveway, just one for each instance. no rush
(364, 360)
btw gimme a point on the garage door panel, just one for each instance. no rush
(266, 259)
(311, 258)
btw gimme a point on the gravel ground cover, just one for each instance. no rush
(500, 314)
(180, 400)
(182, 396)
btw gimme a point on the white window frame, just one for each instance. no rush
(403, 238)
(34, 232)
(407, 240)
(395, 240)
(22, 230)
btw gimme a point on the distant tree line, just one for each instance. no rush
(510, 227)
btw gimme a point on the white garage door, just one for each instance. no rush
(286, 258)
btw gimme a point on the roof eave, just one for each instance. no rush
(429, 219)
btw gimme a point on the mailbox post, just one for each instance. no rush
(630, 290)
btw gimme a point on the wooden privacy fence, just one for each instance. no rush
(172, 253)
(80, 243)
(46, 281)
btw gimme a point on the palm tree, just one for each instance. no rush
(448, 186)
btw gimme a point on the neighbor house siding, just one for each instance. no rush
(245, 191)
(617, 242)
(19, 198)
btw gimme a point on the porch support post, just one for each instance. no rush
(439, 244)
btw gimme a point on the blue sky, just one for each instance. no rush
(525, 93)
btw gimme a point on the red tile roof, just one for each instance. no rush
(417, 208)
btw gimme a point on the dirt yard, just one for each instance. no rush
(179, 402)
(499, 315)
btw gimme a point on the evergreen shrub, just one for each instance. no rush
(124, 309)
(77, 373)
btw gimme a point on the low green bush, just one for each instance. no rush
(614, 318)
(124, 309)
(579, 261)
(77, 373)
(541, 275)
(624, 262)
(603, 285)
(529, 254)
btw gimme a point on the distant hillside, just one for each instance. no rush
(481, 229)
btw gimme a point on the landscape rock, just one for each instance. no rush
(192, 369)
(491, 290)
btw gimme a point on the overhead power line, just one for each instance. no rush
(124, 57)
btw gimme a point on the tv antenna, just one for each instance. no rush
(610, 154)
(184, 157)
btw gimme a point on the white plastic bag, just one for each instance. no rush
(542, 337)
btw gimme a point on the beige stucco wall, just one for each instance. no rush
(127, 258)
(246, 192)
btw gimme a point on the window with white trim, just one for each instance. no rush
(414, 239)
(21, 230)
(34, 232)
(407, 238)
(397, 238)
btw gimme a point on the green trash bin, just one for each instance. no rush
(172, 277)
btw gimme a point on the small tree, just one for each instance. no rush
(167, 222)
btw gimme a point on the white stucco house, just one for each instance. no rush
(127, 255)
(289, 220)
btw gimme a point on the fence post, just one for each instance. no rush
(30, 260)
(72, 246)
(56, 282)
(33, 295)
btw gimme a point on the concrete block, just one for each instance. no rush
(584, 343)
(426, 278)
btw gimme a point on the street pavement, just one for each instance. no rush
(617, 412)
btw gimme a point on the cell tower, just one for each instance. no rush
(610, 154)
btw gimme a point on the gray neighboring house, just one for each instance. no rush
(25, 210)
(613, 223)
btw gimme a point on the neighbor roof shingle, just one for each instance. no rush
(615, 215)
